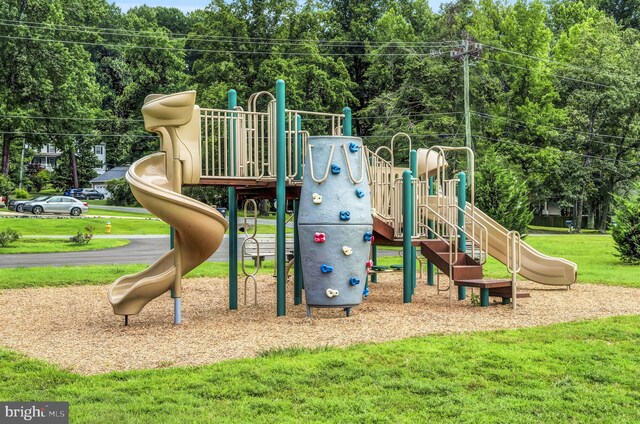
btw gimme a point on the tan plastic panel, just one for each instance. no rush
(427, 159)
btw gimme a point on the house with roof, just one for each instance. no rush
(48, 156)
(100, 182)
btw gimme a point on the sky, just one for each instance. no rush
(189, 5)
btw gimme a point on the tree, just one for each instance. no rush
(501, 194)
(626, 230)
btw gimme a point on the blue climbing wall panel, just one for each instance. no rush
(334, 222)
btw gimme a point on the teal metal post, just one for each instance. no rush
(232, 102)
(346, 124)
(407, 223)
(297, 260)
(462, 238)
(430, 270)
(281, 157)
(413, 166)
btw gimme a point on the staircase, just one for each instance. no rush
(465, 271)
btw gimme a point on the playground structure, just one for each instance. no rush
(262, 154)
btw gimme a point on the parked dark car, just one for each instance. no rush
(18, 204)
(88, 194)
(57, 204)
(72, 192)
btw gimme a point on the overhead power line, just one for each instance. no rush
(554, 75)
(76, 134)
(569, 152)
(220, 38)
(564, 64)
(565, 130)
(129, 46)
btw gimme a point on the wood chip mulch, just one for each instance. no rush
(74, 327)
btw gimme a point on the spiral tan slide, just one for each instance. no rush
(155, 181)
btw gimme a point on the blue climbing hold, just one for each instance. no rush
(326, 268)
(345, 215)
(360, 193)
(335, 169)
(367, 236)
(365, 292)
(353, 147)
(354, 281)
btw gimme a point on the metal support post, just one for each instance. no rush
(407, 224)
(281, 157)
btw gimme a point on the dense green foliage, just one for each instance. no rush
(626, 231)
(8, 236)
(501, 194)
(553, 85)
(121, 194)
(572, 372)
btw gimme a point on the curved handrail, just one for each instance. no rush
(363, 166)
(326, 174)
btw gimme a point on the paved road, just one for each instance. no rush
(141, 250)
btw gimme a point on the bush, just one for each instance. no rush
(8, 236)
(21, 194)
(6, 186)
(626, 231)
(81, 238)
(208, 194)
(501, 194)
(121, 194)
(49, 191)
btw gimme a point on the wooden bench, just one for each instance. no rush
(267, 244)
(491, 287)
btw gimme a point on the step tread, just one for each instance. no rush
(483, 283)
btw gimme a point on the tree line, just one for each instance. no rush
(554, 88)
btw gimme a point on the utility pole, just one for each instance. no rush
(463, 52)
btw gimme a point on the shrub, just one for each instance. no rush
(49, 191)
(5, 186)
(208, 194)
(21, 194)
(81, 238)
(121, 194)
(501, 194)
(8, 236)
(626, 231)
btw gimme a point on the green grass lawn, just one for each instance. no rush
(13, 278)
(70, 226)
(44, 245)
(97, 210)
(594, 255)
(576, 372)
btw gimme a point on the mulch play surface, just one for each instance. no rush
(75, 328)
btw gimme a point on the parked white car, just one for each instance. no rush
(57, 204)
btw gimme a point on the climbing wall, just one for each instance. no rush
(334, 222)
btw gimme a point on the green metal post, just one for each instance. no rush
(281, 157)
(430, 270)
(407, 223)
(346, 124)
(413, 166)
(484, 297)
(462, 238)
(232, 102)
(297, 260)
